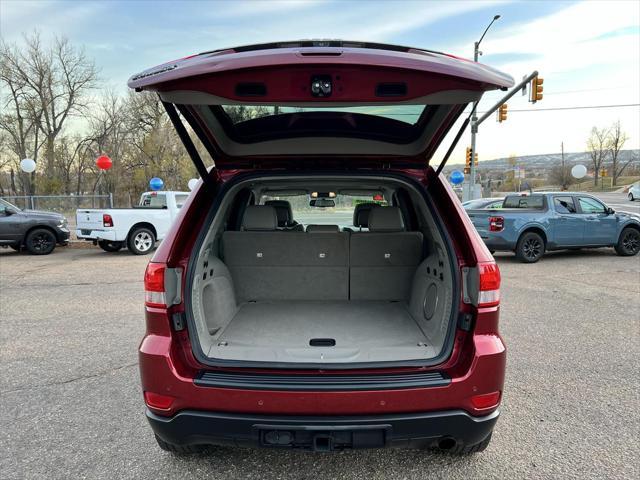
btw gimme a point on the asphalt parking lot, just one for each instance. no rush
(71, 405)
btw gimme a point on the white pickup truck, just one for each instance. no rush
(138, 228)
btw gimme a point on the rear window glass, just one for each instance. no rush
(153, 200)
(403, 113)
(341, 214)
(533, 201)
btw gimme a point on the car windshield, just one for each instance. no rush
(341, 214)
(4, 205)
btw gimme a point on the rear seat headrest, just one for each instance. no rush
(259, 218)
(283, 211)
(386, 219)
(323, 228)
(361, 214)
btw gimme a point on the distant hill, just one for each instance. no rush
(548, 160)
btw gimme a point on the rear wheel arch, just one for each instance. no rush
(142, 225)
(537, 230)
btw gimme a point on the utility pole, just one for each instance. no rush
(474, 126)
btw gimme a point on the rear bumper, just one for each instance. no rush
(322, 433)
(96, 235)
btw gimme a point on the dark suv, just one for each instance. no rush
(322, 288)
(37, 231)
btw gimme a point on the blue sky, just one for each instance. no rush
(587, 52)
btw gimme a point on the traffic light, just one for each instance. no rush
(502, 113)
(467, 161)
(536, 89)
(476, 159)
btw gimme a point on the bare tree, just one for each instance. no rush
(598, 147)
(20, 117)
(55, 81)
(617, 139)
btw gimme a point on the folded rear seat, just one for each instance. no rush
(267, 264)
(383, 260)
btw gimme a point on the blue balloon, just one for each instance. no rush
(156, 183)
(456, 177)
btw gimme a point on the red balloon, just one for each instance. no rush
(103, 162)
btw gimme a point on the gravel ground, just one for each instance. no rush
(71, 405)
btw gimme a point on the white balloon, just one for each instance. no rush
(28, 165)
(579, 171)
(192, 183)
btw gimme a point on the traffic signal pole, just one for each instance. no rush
(474, 192)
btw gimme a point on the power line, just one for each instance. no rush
(576, 107)
(581, 107)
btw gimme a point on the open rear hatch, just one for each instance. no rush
(266, 106)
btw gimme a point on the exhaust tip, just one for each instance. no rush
(447, 443)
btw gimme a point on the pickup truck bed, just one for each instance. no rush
(137, 228)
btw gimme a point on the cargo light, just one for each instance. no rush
(158, 401)
(489, 284)
(107, 220)
(496, 224)
(485, 400)
(154, 293)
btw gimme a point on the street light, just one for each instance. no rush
(476, 51)
(474, 128)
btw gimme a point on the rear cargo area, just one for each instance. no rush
(354, 331)
(323, 294)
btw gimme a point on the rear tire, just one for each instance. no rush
(628, 243)
(179, 449)
(530, 248)
(631, 197)
(40, 241)
(108, 246)
(141, 241)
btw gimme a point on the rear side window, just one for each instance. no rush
(564, 205)
(180, 199)
(533, 201)
(590, 205)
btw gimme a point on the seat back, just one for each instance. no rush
(273, 265)
(384, 259)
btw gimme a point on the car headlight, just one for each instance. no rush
(63, 223)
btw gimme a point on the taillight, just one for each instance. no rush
(496, 224)
(158, 401)
(107, 221)
(489, 295)
(154, 295)
(485, 400)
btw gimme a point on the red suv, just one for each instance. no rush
(322, 288)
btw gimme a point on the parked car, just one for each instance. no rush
(483, 203)
(136, 228)
(634, 191)
(37, 231)
(529, 225)
(324, 339)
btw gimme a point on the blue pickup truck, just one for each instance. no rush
(529, 225)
